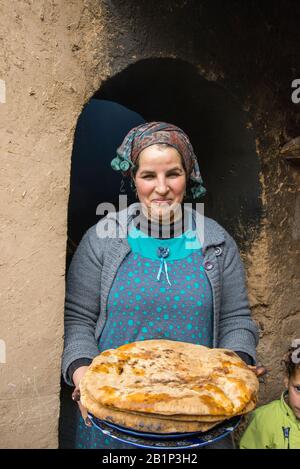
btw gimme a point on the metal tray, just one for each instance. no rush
(166, 441)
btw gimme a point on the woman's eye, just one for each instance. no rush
(297, 388)
(172, 175)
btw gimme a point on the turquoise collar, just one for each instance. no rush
(179, 247)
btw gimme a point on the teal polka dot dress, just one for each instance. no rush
(155, 297)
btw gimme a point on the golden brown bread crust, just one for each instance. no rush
(169, 380)
(145, 423)
(191, 418)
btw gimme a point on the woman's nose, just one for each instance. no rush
(162, 186)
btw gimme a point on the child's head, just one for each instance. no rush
(292, 379)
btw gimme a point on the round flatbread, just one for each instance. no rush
(145, 423)
(193, 418)
(170, 378)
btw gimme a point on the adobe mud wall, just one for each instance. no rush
(54, 57)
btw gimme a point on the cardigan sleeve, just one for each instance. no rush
(82, 303)
(237, 330)
(77, 364)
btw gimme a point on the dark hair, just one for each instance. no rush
(291, 360)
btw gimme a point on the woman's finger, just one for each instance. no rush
(261, 370)
(84, 415)
(83, 411)
(258, 370)
(76, 395)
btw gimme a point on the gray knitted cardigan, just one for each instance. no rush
(95, 264)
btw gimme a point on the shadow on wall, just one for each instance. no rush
(168, 90)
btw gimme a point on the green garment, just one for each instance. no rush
(272, 426)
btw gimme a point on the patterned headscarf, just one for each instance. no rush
(152, 133)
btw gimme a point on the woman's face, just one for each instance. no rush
(293, 386)
(160, 182)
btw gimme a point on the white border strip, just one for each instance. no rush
(2, 351)
(2, 92)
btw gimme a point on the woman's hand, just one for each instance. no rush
(259, 370)
(77, 376)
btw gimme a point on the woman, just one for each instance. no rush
(162, 274)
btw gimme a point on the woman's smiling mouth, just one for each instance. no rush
(162, 201)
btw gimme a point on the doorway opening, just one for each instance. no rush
(169, 90)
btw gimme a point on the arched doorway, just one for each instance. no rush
(173, 90)
(168, 90)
